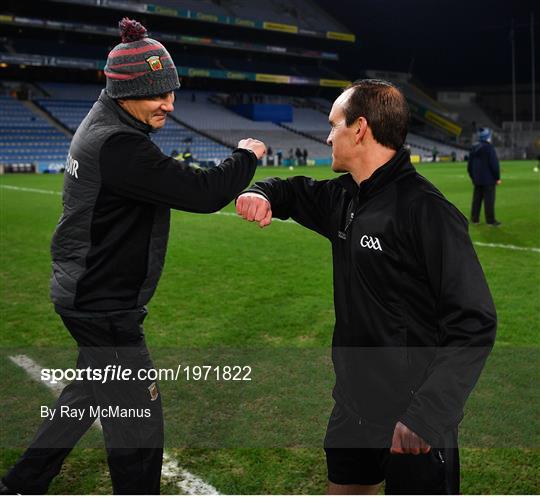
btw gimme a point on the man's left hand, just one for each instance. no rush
(406, 441)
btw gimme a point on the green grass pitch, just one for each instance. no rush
(228, 283)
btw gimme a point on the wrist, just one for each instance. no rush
(251, 153)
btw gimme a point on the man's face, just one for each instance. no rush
(151, 110)
(341, 137)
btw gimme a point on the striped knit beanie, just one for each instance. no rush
(139, 66)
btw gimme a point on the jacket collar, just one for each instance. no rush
(397, 167)
(124, 116)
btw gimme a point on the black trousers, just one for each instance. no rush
(134, 443)
(487, 195)
(359, 454)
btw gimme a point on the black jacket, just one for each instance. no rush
(414, 316)
(483, 166)
(109, 246)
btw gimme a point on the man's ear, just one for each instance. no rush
(361, 129)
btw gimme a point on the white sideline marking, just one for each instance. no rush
(510, 247)
(33, 190)
(480, 244)
(183, 479)
(33, 369)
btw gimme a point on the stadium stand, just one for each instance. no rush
(71, 91)
(26, 137)
(46, 47)
(311, 120)
(227, 126)
(181, 57)
(301, 13)
(422, 146)
(69, 112)
(203, 121)
(467, 111)
(70, 104)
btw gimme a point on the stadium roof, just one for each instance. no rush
(445, 43)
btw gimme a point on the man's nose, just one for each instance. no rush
(329, 140)
(167, 107)
(168, 104)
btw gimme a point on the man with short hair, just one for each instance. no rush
(484, 171)
(108, 252)
(415, 320)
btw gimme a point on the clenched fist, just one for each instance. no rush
(406, 441)
(254, 207)
(256, 146)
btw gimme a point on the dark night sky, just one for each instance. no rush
(448, 42)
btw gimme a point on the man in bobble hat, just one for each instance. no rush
(108, 251)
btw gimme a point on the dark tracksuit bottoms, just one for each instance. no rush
(134, 444)
(486, 194)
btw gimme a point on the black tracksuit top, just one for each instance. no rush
(109, 246)
(415, 320)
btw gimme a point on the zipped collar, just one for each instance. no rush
(396, 168)
(124, 116)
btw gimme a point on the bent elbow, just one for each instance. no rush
(213, 205)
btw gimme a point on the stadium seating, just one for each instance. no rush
(69, 112)
(225, 125)
(424, 146)
(208, 123)
(71, 91)
(68, 105)
(27, 137)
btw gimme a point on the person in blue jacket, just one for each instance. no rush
(484, 171)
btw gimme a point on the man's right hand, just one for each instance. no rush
(254, 207)
(256, 146)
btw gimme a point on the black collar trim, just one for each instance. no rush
(397, 167)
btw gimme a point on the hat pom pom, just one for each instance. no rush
(131, 30)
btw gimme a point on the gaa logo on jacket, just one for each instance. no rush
(370, 242)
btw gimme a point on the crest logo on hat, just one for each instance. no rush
(155, 63)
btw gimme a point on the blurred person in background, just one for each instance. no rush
(484, 171)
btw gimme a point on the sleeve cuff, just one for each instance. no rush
(250, 153)
(254, 192)
(431, 436)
